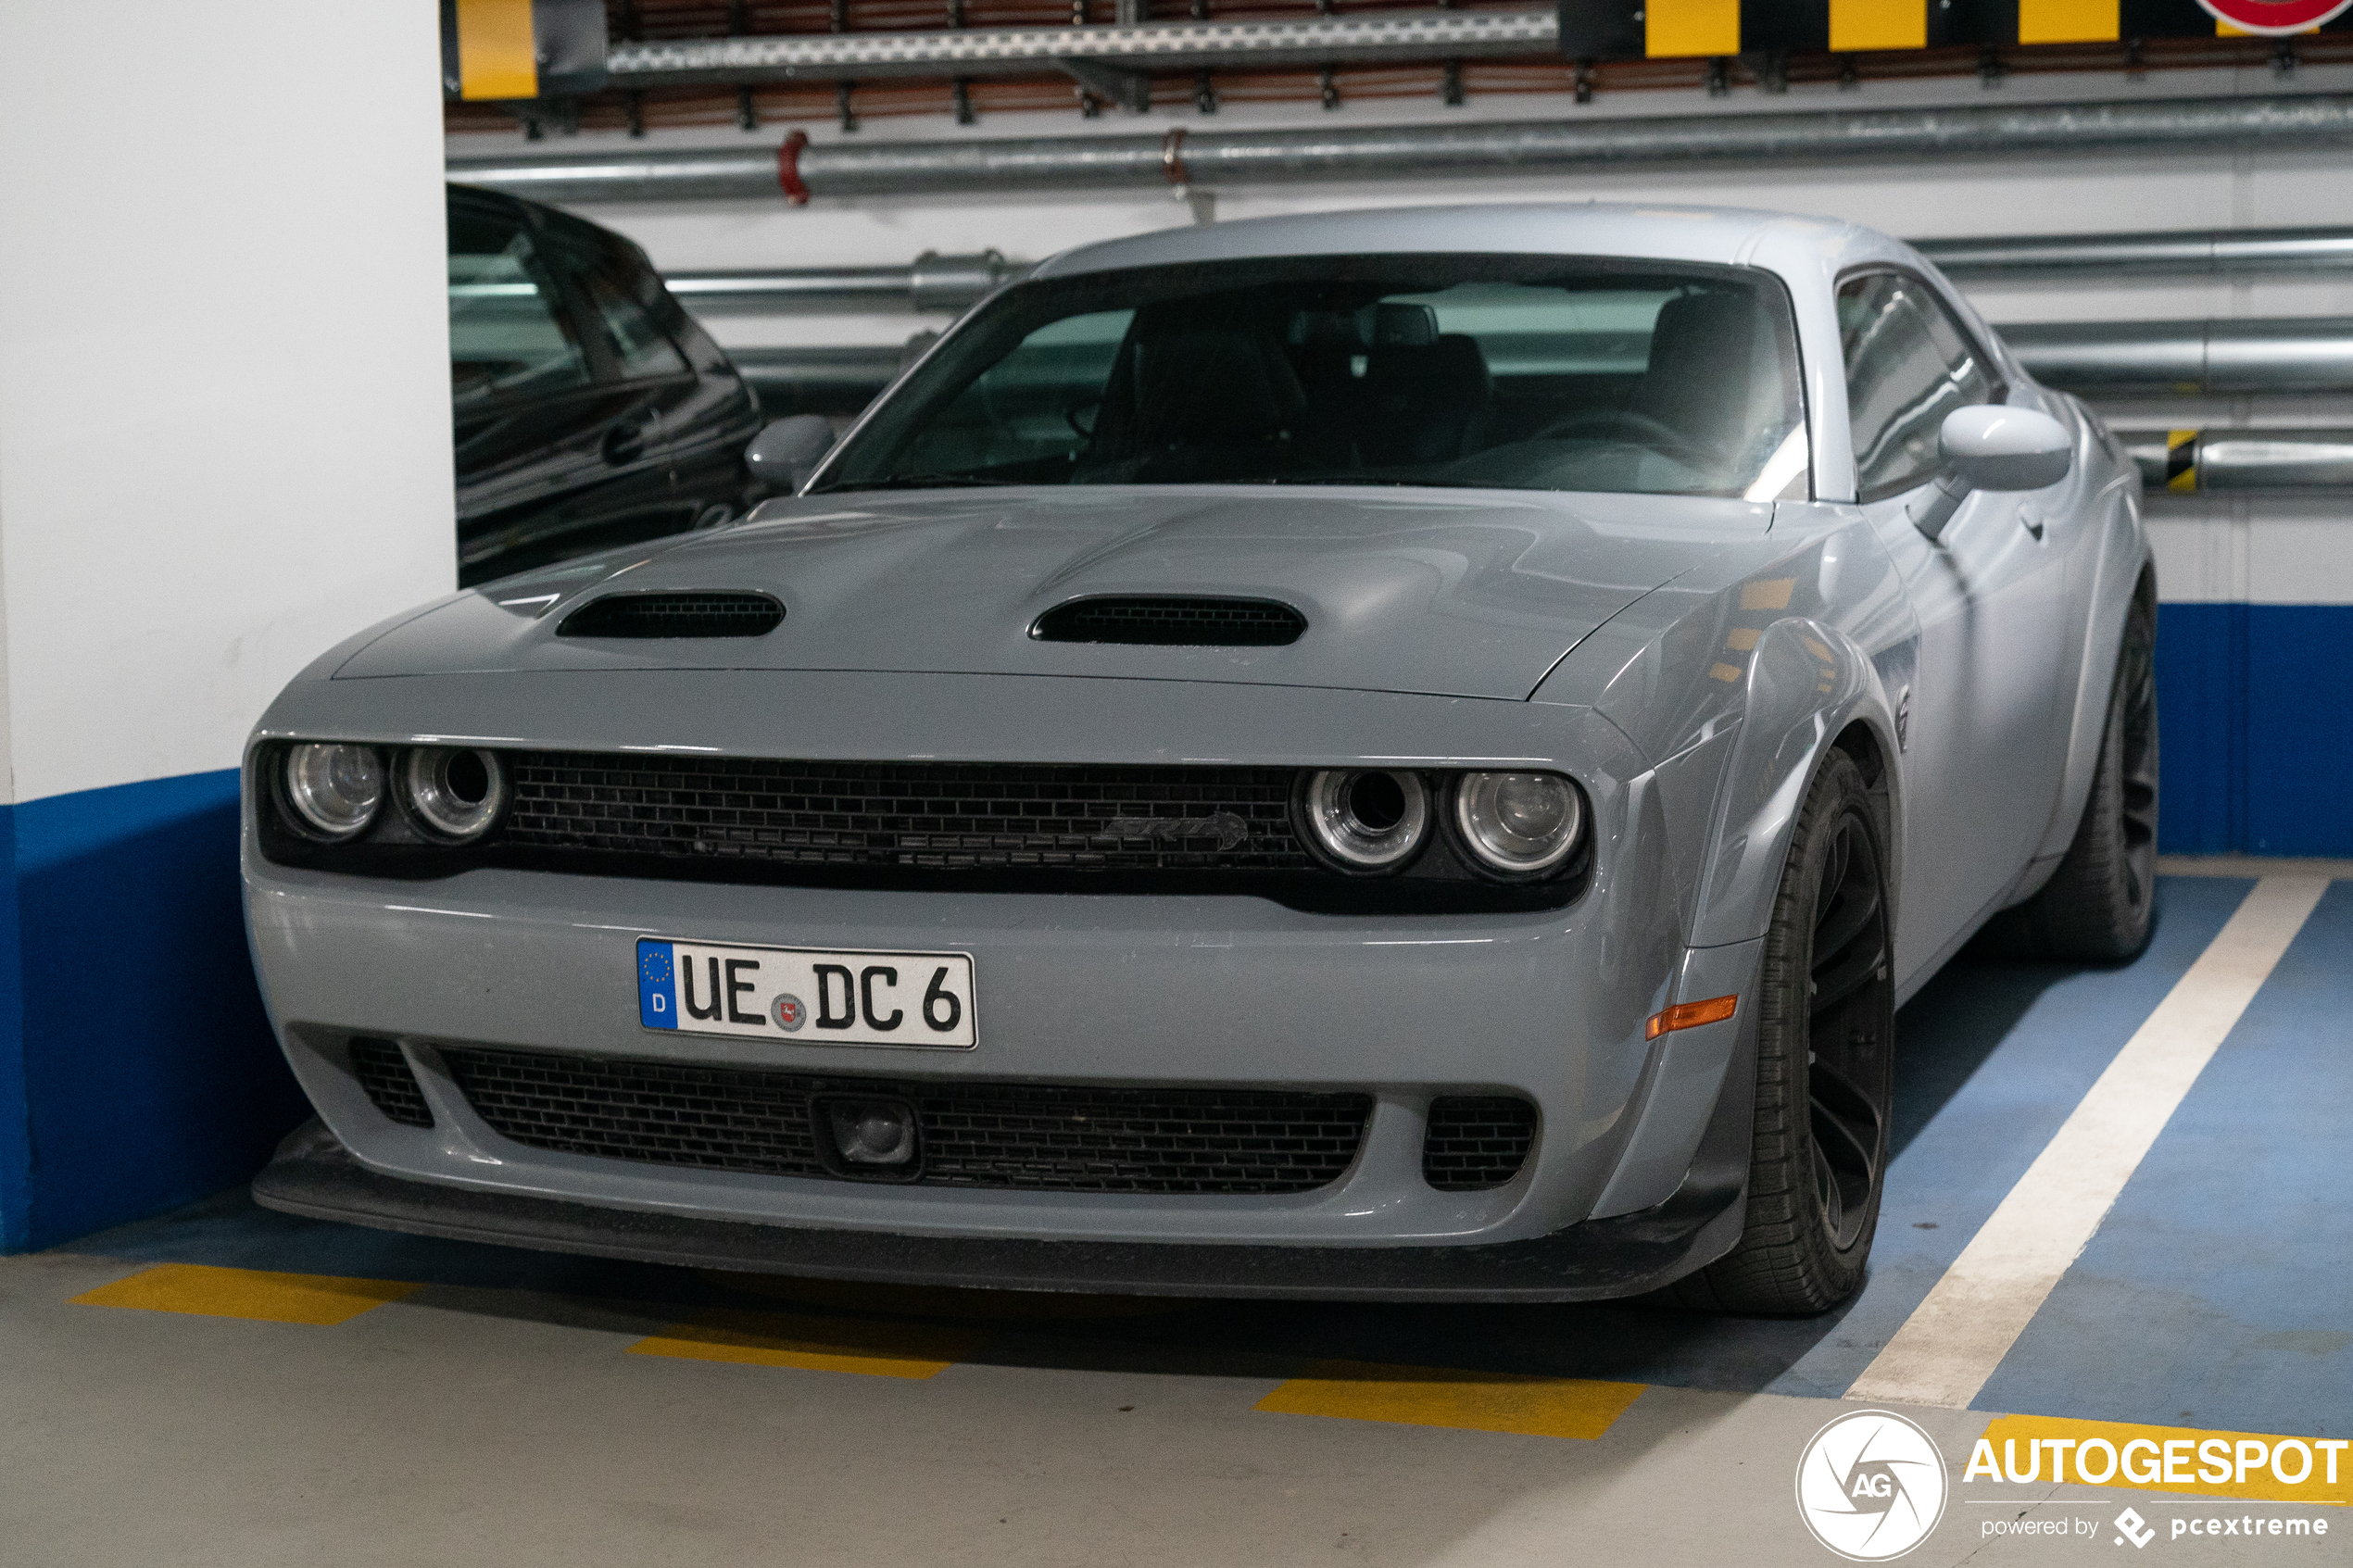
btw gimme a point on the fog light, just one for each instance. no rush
(454, 795)
(334, 789)
(1372, 820)
(872, 1132)
(1519, 825)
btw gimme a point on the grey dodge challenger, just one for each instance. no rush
(1405, 754)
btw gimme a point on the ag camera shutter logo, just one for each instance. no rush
(1871, 1486)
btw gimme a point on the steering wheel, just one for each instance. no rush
(1620, 423)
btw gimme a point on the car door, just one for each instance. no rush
(1981, 761)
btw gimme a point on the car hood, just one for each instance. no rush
(1471, 594)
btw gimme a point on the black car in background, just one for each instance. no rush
(590, 410)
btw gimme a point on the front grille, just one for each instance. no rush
(954, 816)
(1476, 1141)
(385, 1073)
(711, 614)
(1166, 622)
(1029, 1136)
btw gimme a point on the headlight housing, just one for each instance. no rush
(1366, 820)
(333, 790)
(1518, 826)
(453, 794)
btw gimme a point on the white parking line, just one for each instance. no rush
(1954, 1339)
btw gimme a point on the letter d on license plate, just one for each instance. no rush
(799, 996)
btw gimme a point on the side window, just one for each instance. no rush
(639, 347)
(508, 333)
(1907, 366)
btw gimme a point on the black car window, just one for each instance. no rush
(1907, 366)
(639, 347)
(509, 332)
(1465, 371)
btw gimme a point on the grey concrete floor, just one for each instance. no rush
(478, 1425)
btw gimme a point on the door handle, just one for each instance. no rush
(625, 442)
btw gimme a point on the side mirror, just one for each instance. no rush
(787, 451)
(1991, 447)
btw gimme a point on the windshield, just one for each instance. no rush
(1511, 371)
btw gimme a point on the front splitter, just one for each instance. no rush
(315, 1175)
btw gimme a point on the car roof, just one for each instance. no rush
(1665, 232)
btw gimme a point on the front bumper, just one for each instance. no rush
(1223, 991)
(314, 1175)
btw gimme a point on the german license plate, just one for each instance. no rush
(805, 996)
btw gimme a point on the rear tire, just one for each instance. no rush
(2098, 905)
(1825, 1069)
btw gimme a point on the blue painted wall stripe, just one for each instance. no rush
(16, 1128)
(149, 1074)
(2255, 708)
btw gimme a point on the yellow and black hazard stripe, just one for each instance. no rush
(2181, 460)
(1616, 30)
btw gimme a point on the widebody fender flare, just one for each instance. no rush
(1807, 685)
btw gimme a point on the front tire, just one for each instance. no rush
(1825, 1069)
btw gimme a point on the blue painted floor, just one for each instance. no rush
(2219, 1293)
(2229, 1256)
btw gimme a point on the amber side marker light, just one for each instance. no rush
(1690, 1015)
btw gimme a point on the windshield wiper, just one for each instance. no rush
(918, 481)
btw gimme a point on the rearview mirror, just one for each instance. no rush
(787, 451)
(1992, 447)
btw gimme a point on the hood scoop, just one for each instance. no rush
(703, 614)
(1169, 620)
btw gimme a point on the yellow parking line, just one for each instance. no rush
(205, 1291)
(1474, 1401)
(814, 1344)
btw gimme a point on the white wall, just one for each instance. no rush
(224, 393)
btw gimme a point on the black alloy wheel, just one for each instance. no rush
(1850, 1029)
(1825, 1068)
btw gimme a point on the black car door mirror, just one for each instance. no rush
(1992, 447)
(787, 451)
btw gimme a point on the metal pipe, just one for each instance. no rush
(952, 283)
(1003, 51)
(823, 381)
(1181, 157)
(934, 282)
(2211, 358)
(2180, 253)
(2188, 461)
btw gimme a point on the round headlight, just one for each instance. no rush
(334, 789)
(1519, 825)
(454, 795)
(1369, 820)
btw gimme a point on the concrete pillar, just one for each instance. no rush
(224, 444)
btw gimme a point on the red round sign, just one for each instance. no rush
(2274, 16)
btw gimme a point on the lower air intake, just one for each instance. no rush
(391, 1085)
(1020, 1136)
(1475, 1142)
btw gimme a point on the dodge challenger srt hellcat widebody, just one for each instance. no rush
(1405, 754)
